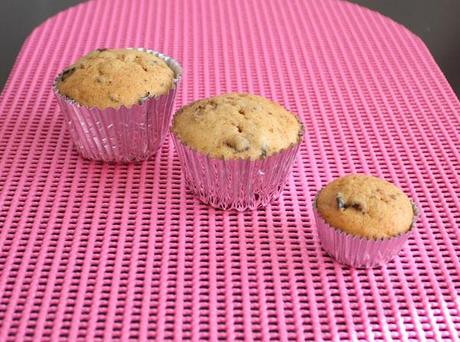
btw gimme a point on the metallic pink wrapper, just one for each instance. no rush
(359, 252)
(235, 184)
(121, 134)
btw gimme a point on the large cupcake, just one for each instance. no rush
(363, 221)
(117, 103)
(236, 150)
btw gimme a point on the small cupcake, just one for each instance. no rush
(236, 150)
(117, 103)
(363, 221)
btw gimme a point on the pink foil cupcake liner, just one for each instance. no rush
(359, 252)
(121, 134)
(235, 184)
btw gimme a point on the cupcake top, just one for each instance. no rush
(365, 206)
(237, 126)
(114, 77)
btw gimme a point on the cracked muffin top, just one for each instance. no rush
(113, 77)
(237, 126)
(365, 206)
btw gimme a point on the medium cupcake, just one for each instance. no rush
(236, 150)
(363, 221)
(117, 103)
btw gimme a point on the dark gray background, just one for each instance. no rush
(435, 21)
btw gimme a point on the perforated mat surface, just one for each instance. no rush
(91, 251)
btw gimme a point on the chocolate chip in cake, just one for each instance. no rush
(357, 206)
(263, 152)
(67, 73)
(343, 205)
(212, 104)
(340, 201)
(237, 143)
(143, 98)
(113, 98)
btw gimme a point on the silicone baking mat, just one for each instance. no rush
(92, 251)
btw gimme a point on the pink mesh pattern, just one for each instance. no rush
(91, 251)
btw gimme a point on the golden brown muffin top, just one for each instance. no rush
(237, 126)
(365, 206)
(113, 77)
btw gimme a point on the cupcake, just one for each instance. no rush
(236, 150)
(363, 221)
(117, 103)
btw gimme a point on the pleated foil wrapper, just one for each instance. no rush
(125, 134)
(238, 184)
(356, 251)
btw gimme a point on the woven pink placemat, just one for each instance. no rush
(91, 251)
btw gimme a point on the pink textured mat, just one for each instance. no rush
(91, 251)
